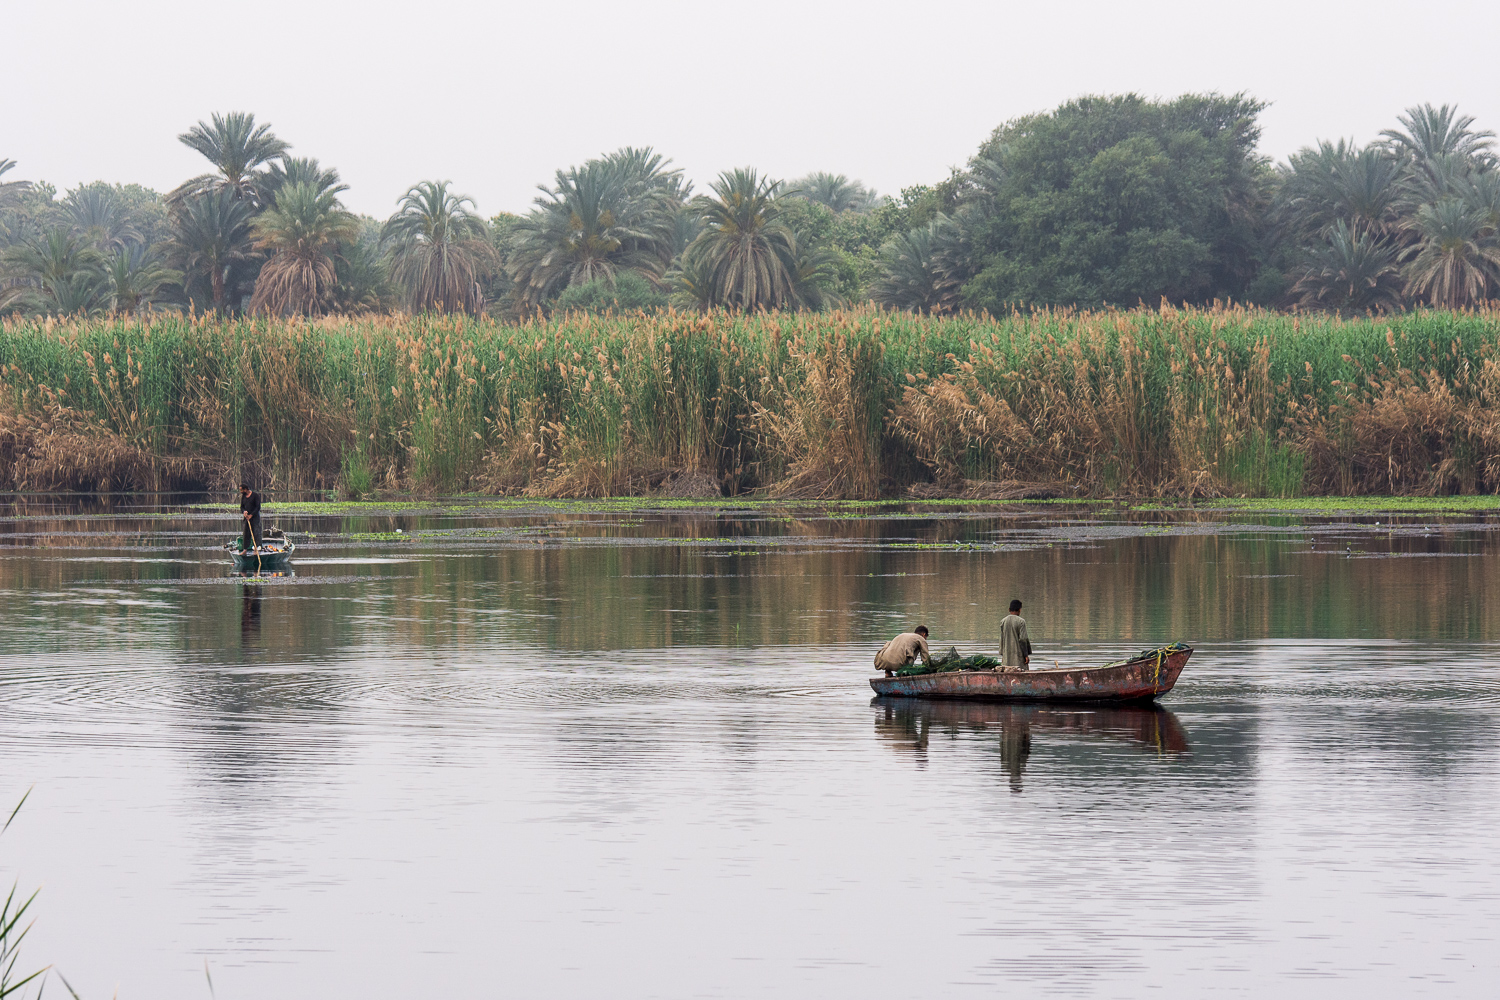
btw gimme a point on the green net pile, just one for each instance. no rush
(950, 661)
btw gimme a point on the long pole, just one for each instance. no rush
(254, 542)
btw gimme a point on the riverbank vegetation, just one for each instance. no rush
(841, 404)
(1104, 201)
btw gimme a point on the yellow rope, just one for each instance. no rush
(1156, 681)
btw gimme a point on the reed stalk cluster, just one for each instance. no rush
(853, 404)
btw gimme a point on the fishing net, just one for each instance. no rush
(1177, 647)
(1147, 654)
(950, 661)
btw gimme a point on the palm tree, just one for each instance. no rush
(1481, 192)
(295, 170)
(691, 282)
(54, 257)
(836, 191)
(815, 271)
(12, 194)
(610, 215)
(1352, 271)
(1308, 193)
(211, 241)
(11, 191)
(363, 283)
(438, 249)
(923, 270)
(644, 174)
(657, 197)
(100, 217)
(85, 293)
(236, 146)
(60, 271)
(686, 225)
(132, 275)
(1341, 181)
(1457, 256)
(301, 232)
(1429, 133)
(748, 256)
(1367, 187)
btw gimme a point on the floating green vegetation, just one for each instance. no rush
(1336, 505)
(944, 546)
(315, 507)
(614, 505)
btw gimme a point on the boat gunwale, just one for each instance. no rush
(254, 558)
(940, 685)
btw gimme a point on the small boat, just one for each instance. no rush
(271, 554)
(1141, 678)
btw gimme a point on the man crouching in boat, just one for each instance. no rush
(903, 650)
(1015, 644)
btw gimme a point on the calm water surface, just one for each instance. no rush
(582, 753)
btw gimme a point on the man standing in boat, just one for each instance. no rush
(1015, 644)
(903, 650)
(250, 514)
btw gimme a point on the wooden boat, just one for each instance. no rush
(271, 554)
(1142, 678)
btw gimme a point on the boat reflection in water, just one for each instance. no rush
(906, 724)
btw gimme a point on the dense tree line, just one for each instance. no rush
(1103, 201)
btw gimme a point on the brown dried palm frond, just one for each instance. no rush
(302, 231)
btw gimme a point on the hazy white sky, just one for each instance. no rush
(496, 96)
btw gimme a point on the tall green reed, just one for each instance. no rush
(848, 403)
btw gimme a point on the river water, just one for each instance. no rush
(611, 752)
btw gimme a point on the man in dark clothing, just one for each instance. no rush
(250, 513)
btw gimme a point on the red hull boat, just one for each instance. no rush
(1143, 678)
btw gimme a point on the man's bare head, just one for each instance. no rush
(1015, 607)
(921, 630)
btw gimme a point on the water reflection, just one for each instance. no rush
(649, 580)
(653, 728)
(250, 606)
(908, 724)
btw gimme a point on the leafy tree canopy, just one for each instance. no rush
(1114, 200)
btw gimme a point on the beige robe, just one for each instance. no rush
(902, 651)
(1012, 636)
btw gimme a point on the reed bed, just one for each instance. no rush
(852, 404)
